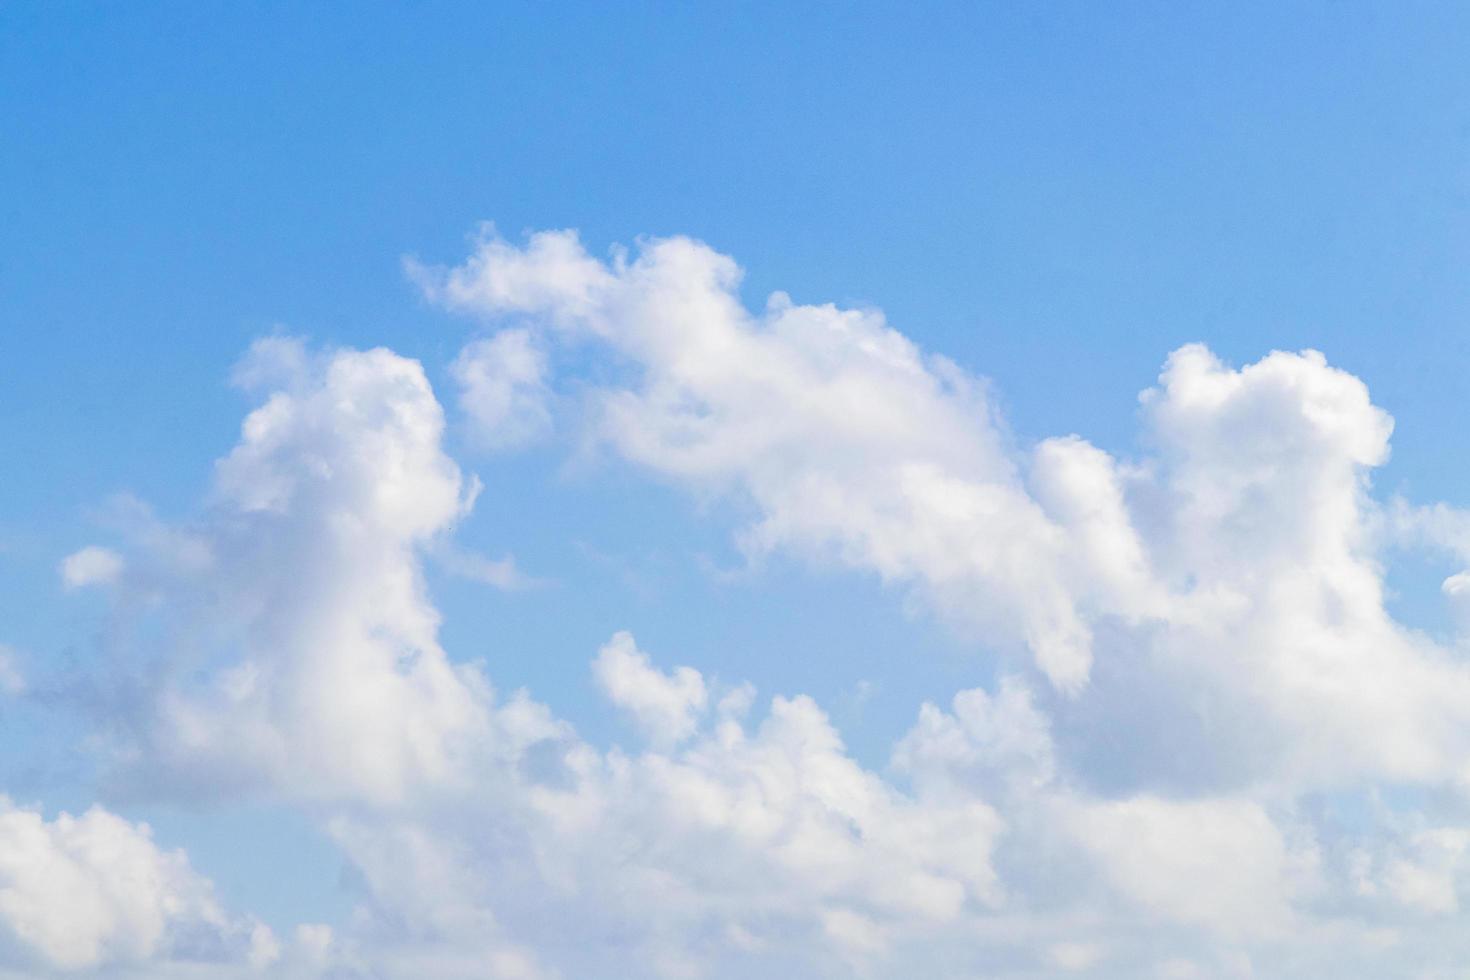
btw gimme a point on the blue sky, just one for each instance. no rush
(1052, 197)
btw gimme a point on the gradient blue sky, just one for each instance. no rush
(1053, 195)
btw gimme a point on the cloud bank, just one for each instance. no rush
(1212, 750)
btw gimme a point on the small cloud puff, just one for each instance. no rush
(91, 565)
(666, 706)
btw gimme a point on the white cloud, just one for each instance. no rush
(553, 274)
(988, 743)
(1212, 614)
(1419, 870)
(666, 706)
(1233, 569)
(502, 389)
(320, 673)
(314, 674)
(91, 565)
(498, 573)
(1209, 677)
(12, 680)
(740, 844)
(851, 443)
(94, 890)
(1075, 956)
(1219, 863)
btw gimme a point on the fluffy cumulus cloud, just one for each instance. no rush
(850, 442)
(1233, 568)
(1211, 749)
(313, 674)
(78, 893)
(314, 668)
(751, 842)
(667, 707)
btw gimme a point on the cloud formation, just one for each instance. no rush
(94, 890)
(91, 566)
(502, 388)
(315, 670)
(1211, 750)
(1236, 561)
(1210, 618)
(666, 706)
